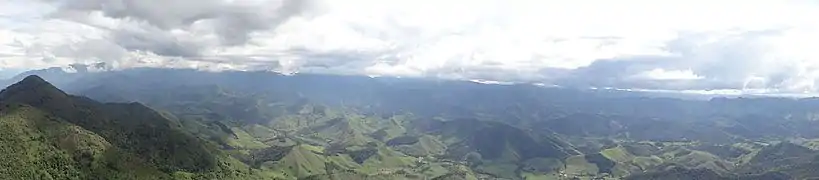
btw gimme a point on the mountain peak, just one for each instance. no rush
(33, 79)
(32, 90)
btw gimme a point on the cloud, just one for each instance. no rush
(662, 74)
(232, 21)
(676, 45)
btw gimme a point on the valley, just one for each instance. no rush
(187, 124)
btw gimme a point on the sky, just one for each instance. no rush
(684, 45)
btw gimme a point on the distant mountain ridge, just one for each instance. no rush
(60, 75)
(323, 126)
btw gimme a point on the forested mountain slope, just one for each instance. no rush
(261, 125)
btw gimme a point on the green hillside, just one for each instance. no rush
(38, 145)
(110, 137)
(243, 125)
(132, 127)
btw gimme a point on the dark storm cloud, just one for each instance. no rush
(164, 14)
(235, 24)
(156, 41)
(232, 22)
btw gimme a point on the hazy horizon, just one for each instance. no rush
(671, 45)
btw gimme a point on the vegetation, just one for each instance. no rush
(38, 145)
(251, 125)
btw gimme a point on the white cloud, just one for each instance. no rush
(718, 44)
(662, 74)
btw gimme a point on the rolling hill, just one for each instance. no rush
(185, 124)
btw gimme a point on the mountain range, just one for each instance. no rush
(186, 124)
